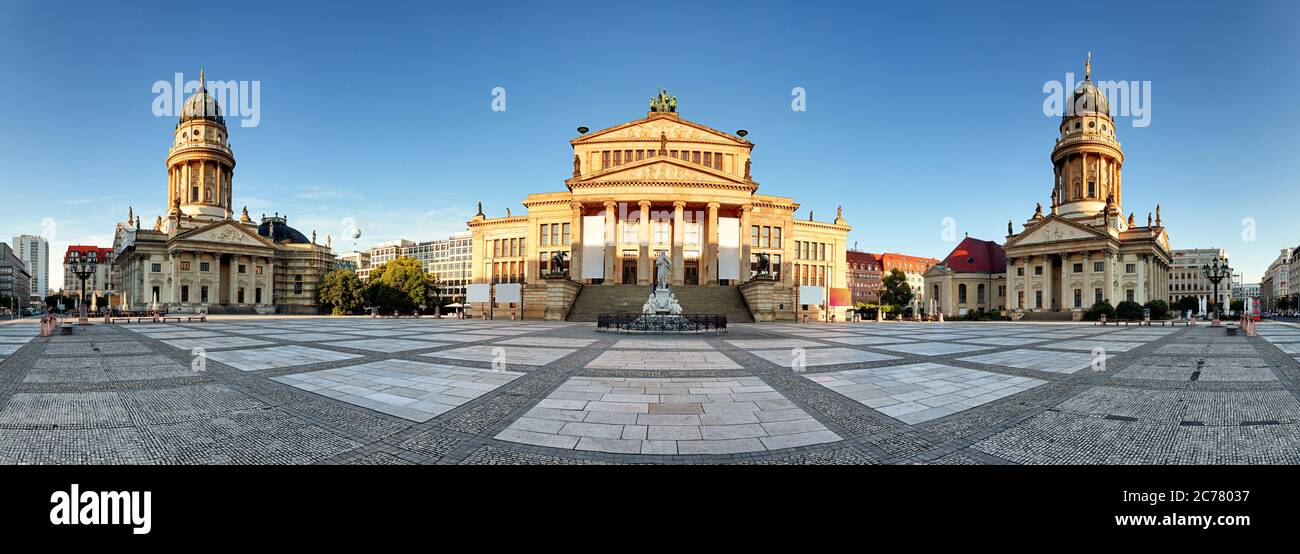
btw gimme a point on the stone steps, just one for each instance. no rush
(597, 299)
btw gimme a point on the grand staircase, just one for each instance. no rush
(598, 299)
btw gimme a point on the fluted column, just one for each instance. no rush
(679, 237)
(611, 241)
(575, 242)
(709, 254)
(1047, 283)
(744, 246)
(643, 254)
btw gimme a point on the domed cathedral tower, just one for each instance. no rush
(1087, 160)
(1085, 251)
(200, 165)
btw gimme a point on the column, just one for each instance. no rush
(643, 259)
(1108, 265)
(1067, 294)
(575, 244)
(1140, 295)
(709, 254)
(1047, 282)
(679, 236)
(1088, 277)
(612, 276)
(268, 294)
(532, 266)
(1011, 284)
(744, 247)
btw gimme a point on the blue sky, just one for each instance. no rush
(916, 111)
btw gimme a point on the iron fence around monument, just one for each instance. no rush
(662, 323)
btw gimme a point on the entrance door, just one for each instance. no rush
(691, 273)
(629, 272)
(223, 277)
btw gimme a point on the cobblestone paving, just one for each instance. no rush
(301, 390)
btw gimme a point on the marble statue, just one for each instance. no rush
(662, 266)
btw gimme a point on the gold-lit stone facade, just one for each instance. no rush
(661, 183)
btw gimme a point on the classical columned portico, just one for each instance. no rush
(709, 254)
(611, 239)
(643, 260)
(745, 246)
(679, 239)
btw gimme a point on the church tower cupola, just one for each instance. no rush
(1087, 160)
(200, 164)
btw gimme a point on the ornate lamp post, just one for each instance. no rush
(83, 266)
(1216, 273)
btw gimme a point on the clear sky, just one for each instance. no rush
(916, 111)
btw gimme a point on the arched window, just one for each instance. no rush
(961, 293)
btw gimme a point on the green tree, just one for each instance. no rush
(1159, 309)
(895, 289)
(1238, 306)
(1188, 303)
(1128, 310)
(1103, 307)
(399, 285)
(341, 291)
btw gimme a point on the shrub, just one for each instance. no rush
(1128, 310)
(1094, 313)
(1159, 309)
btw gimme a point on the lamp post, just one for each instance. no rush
(1216, 273)
(83, 266)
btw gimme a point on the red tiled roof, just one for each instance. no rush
(101, 254)
(973, 255)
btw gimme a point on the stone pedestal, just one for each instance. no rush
(550, 299)
(768, 300)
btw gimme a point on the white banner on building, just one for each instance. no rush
(593, 247)
(478, 293)
(812, 295)
(508, 292)
(729, 248)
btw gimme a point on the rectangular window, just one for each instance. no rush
(1078, 268)
(1038, 270)
(776, 267)
(672, 153)
(1096, 296)
(243, 268)
(204, 266)
(640, 154)
(753, 236)
(544, 235)
(565, 236)
(1129, 294)
(1078, 298)
(693, 229)
(239, 294)
(185, 266)
(156, 268)
(765, 237)
(708, 159)
(717, 161)
(821, 255)
(203, 294)
(604, 159)
(776, 237)
(257, 269)
(297, 285)
(185, 293)
(618, 157)
(631, 232)
(257, 295)
(1098, 266)
(1038, 299)
(514, 247)
(1130, 268)
(695, 156)
(544, 261)
(662, 230)
(1020, 272)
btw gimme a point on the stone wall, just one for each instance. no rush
(768, 300)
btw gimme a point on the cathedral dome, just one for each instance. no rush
(1089, 99)
(276, 229)
(201, 105)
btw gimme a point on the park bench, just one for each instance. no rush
(200, 317)
(116, 319)
(165, 319)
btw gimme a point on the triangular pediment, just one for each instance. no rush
(661, 169)
(226, 232)
(1055, 229)
(654, 126)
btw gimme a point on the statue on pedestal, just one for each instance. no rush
(662, 267)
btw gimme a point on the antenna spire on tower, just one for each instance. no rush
(1087, 68)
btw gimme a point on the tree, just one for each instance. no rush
(1237, 306)
(1159, 309)
(1103, 307)
(896, 291)
(1128, 310)
(341, 291)
(399, 285)
(1189, 303)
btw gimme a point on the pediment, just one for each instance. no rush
(1054, 229)
(226, 232)
(661, 169)
(651, 128)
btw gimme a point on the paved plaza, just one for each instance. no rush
(301, 390)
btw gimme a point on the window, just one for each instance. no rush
(544, 261)
(297, 284)
(693, 229)
(631, 232)
(257, 270)
(1078, 268)
(708, 159)
(1038, 299)
(243, 268)
(1038, 270)
(753, 236)
(1092, 189)
(776, 237)
(1096, 296)
(1020, 299)
(604, 159)
(662, 231)
(776, 266)
(961, 293)
(239, 294)
(185, 266)
(1130, 268)
(765, 237)
(157, 293)
(203, 294)
(1129, 295)
(695, 156)
(979, 294)
(257, 295)
(1099, 266)
(822, 254)
(1020, 272)
(1078, 298)
(566, 234)
(185, 293)
(544, 235)
(205, 266)
(156, 268)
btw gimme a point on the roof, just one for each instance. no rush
(973, 255)
(101, 254)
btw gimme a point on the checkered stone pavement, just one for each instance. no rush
(301, 390)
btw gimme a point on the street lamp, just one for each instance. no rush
(1216, 273)
(83, 266)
